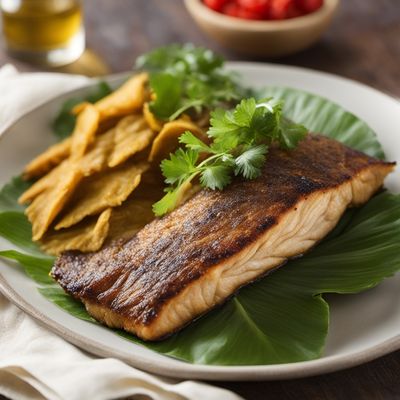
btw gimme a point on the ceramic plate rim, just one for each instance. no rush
(194, 371)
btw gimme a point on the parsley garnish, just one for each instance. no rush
(239, 145)
(191, 79)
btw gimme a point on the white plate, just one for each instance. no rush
(363, 326)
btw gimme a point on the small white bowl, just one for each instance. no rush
(263, 38)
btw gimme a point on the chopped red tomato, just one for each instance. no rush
(294, 11)
(309, 6)
(231, 9)
(264, 9)
(216, 5)
(279, 9)
(259, 7)
(247, 14)
(235, 9)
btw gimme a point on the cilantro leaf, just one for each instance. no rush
(224, 131)
(194, 143)
(167, 203)
(188, 79)
(180, 165)
(216, 176)
(244, 113)
(180, 58)
(167, 90)
(291, 134)
(249, 163)
(240, 140)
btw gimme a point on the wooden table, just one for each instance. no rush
(362, 44)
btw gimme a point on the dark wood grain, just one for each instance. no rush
(363, 44)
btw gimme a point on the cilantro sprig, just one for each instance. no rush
(239, 142)
(190, 79)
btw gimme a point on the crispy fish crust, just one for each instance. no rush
(179, 267)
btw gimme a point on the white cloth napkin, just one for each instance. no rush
(37, 364)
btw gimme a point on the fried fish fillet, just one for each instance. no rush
(181, 266)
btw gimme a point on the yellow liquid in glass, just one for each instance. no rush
(41, 25)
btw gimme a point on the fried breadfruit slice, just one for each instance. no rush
(47, 205)
(46, 161)
(95, 160)
(58, 152)
(87, 236)
(85, 129)
(44, 183)
(137, 210)
(101, 191)
(127, 99)
(166, 141)
(132, 135)
(130, 217)
(155, 124)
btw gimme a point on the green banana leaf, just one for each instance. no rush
(11, 192)
(282, 317)
(37, 268)
(320, 115)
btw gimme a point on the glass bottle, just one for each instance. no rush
(47, 32)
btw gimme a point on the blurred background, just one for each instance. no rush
(362, 42)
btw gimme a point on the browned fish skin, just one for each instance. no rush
(172, 270)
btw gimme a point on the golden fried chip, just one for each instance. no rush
(45, 182)
(125, 100)
(96, 159)
(108, 124)
(137, 210)
(101, 191)
(85, 130)
(46, 206)
(166, 141)
(44, 162)
(151, 120)
(131, 136)
(79, 107)
(89, 235)
(130, 217)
